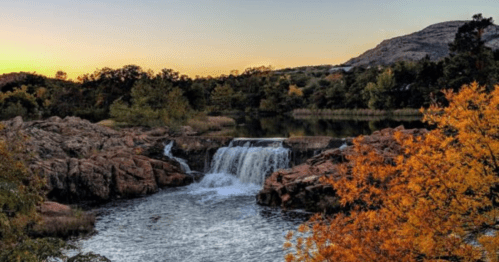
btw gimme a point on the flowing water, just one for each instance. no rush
(183, 163)
(216, 219)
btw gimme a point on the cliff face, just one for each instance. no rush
(433, 41)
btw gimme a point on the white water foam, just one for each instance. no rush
(250, 164)
(183, 163)
(241, 170)
(216, 187)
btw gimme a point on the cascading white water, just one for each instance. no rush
(251, 160)
(183, 163)
(240, 169)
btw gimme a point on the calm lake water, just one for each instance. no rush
(334, 127)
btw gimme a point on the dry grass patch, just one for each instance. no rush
(61, 221)
(203, 124)
(356, 112)
(107, 123)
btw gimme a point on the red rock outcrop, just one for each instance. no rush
(301, 188)
(88, 162)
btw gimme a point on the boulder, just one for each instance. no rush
(301, 187)
(85, 162)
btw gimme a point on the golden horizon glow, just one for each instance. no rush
(201, 38)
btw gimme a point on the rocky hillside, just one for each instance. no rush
(433, 41)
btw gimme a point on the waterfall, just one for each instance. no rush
(183, 163)
(251, 160)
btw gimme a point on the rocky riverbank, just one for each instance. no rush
(85, 162)
(89, 163)
(301, 187)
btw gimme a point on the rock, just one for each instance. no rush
(304, 148)
(301, 187)
(85, 162)
(432, 41)
(198, 151)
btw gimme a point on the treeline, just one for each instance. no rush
(142, 97)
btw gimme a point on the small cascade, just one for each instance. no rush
(251, 160)
(183, 163)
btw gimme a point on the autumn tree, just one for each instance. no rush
(436, 201)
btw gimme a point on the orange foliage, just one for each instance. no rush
(294, 90)
(334, 77)
(436, 202)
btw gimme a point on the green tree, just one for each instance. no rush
(153, 103)
(276, 97)
(61, 75)
(470, 59)
(379, 93)
(469, 36)
(221, 98)
(18, 103)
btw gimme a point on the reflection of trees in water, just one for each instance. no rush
(288, 126)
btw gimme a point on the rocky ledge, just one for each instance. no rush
(301, 187)
(85, 162)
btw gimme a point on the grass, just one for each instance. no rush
(71, 223)
(114, 124)
(203, 123)
(356, 112)
(107, 123)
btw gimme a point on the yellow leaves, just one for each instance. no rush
(294, 90)
(440, 192)
(334, 77)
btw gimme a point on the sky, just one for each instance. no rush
(205, 37)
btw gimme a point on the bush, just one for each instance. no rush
(20, 194)
(438, 201)
(18, 103)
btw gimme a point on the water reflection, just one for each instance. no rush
(341, 126)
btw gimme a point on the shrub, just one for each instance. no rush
(438, 201)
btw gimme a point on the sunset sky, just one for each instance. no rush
(199, 37)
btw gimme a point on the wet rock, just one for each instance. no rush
(301, 187)
(198, 151)
(303, 148)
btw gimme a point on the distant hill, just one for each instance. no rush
(433, 41)
(6, 79)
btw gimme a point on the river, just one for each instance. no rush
(216, 219)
